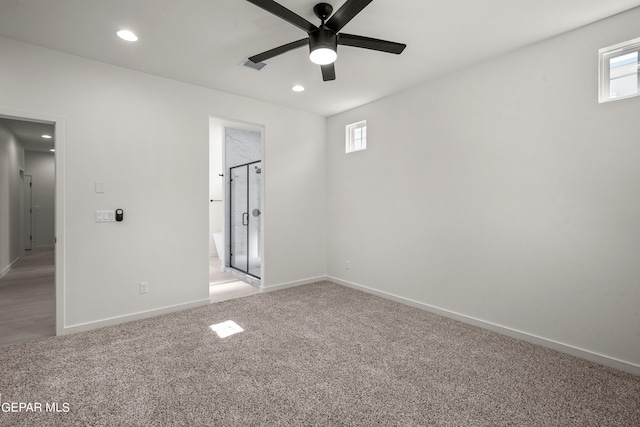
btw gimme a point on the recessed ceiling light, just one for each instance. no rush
(46, 136)
(127, 35)
(297, 88)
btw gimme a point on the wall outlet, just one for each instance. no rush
(347, 264)
(144, 287)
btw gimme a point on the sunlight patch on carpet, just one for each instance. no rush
(226, 329)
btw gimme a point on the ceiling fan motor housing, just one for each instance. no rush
(323, 39)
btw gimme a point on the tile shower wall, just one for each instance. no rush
(241, 147)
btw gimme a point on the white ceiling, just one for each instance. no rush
(30, 133)
(203, 41)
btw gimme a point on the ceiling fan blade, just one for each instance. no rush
(328, 72)
(346, 13)
(370, 43)
(284, 13)
(279, 50)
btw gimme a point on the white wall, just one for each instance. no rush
(41, 167)
(11, 161)
(503, 192)
(216, 183)
(147, 138)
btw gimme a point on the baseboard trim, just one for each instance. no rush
(9, 267)
(292, 284)
(504, 330)
(81, 327)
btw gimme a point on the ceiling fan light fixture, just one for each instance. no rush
(323, 46)
(323, 56)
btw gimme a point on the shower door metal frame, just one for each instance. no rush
(231, 263)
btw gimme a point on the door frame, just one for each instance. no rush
(59, 200)
(27, 225)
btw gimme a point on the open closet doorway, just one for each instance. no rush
(236, 209)
(27, 240)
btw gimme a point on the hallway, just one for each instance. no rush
(27, 298)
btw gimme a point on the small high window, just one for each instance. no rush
(356, 137)
(620, 71)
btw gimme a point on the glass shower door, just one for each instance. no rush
(245, 215)
(238, 208)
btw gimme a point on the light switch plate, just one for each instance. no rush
(106, 216)
(99, 186)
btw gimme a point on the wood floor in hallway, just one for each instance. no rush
(27, 298)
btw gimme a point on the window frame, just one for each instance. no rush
(604, 68)
(351, 145)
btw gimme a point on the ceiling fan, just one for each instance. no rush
(323, 41)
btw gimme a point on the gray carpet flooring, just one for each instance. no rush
(315, 355)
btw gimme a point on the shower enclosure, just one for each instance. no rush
(245, 187)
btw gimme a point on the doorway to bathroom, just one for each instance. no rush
(236, 207)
